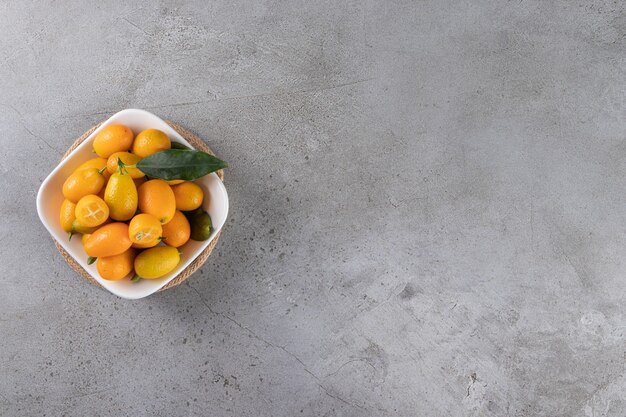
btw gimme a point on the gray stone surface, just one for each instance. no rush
(428, 207)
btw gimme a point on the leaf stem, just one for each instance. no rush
(121, 166)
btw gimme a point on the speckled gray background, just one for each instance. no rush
(428, 201)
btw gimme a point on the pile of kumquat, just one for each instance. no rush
(132, 225)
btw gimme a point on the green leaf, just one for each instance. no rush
(178, 164)
(178, 145)
(135, 278)
(91, 260)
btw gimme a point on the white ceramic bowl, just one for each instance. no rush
(50, 197)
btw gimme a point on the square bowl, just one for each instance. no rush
(50, 197)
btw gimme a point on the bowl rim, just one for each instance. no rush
(89, 139)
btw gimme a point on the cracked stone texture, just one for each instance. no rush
(427, 209)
